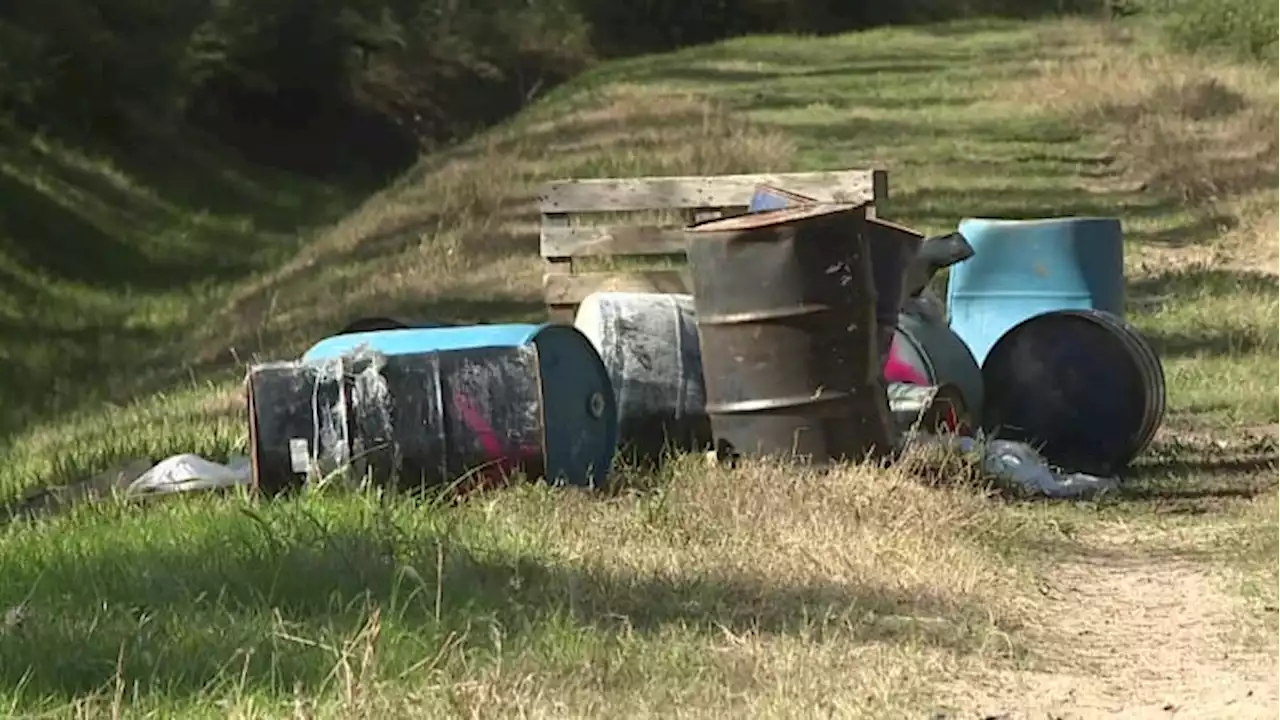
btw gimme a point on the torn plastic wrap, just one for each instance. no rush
(577, 407)
(404, 420)
(1016, 466)
(928, 408)
(649, 345)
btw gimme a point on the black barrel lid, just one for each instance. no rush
(1082, 386)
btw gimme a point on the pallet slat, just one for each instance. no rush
(609, 240)
(662, 193)
(561, 290)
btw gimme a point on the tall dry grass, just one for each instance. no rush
(1201, 129)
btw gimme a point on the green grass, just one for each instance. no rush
(752, 591)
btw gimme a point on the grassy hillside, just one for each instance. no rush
(860, 594)
(108, 258)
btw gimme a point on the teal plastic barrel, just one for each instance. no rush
(1023, 268)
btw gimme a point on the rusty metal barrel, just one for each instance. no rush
(786, 313)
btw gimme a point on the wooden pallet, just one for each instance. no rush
(611, 218)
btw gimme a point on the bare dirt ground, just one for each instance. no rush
(1155, 637)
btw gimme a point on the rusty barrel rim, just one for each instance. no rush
(769, 218)
(1137, 377)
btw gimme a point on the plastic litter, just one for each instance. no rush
(1017, 465)
(188, 472)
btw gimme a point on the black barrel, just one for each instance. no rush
(786, 313)
(404, 420)
(1082, 385)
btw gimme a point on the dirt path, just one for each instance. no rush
(1141, 637)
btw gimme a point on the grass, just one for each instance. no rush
(758, 591)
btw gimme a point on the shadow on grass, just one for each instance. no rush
(56, 241)
(261, 598)
(1221, 343)
(1199, 230)
(1203, 281)
(1200, 471)
(101, 263)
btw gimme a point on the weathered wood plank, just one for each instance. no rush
(609, 240)
(571, 289)
(654, 193)
(556, 263)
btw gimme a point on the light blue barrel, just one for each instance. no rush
(578, 412)
(1022, 268)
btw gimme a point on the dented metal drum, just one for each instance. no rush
(787, 325)
(893, 249)
(422, 406)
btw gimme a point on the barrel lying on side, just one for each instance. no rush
(786, 319)
(649, 345)
(409, 407)
(1082, 385)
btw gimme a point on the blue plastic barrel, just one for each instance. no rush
(1022, 268)
(578, 411)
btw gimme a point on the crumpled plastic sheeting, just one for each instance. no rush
(133, 480)
(187, 472)
(1018, 465)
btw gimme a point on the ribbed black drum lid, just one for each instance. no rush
(1082, 385)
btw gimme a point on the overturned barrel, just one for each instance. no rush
(649, 345)
(787, 326)
(1022, 268)
(928, 408)
(1082, 385)
(925, 352)
(422, 406)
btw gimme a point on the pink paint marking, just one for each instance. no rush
(897, 370)
(501, 461)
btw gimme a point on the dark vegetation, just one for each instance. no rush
(331, 87)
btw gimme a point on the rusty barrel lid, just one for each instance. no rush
(769, 218)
